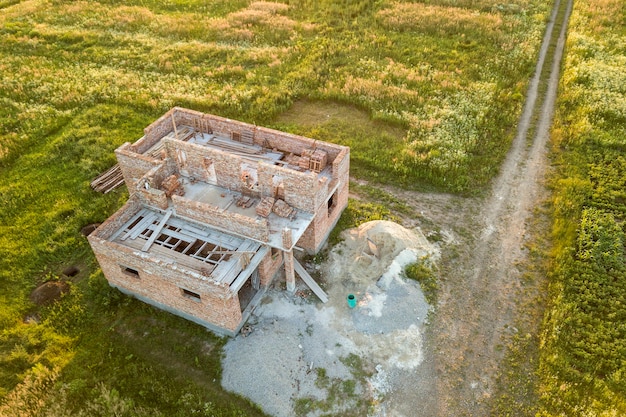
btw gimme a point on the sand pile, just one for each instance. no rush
(371, 249)
(292, 339)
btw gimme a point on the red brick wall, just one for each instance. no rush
(133, 166)
(124, 214)
(162, 282)
(269, 266)
(243, 225)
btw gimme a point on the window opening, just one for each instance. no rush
(130, 271)
(331, 203)
(190, 294)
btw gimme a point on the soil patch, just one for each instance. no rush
(49, 292)
(71, 271)
(87, 230)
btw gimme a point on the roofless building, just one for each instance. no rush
(216, 209)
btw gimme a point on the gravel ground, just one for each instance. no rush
(330, 356)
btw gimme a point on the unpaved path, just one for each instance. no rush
(480, 277)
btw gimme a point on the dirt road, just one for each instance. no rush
(481, 286)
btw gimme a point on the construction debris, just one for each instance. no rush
(172, 186)
(245, 201)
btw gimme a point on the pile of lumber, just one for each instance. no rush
(109, 180)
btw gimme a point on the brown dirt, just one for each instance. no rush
(49, 292)
(88, 229)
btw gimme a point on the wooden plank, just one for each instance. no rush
(228, 270)
(108, 180)
(190, 263)
(215, 238)
(157, 232)
(122, 229)
(142, 213)
(308, 280)
(114, 186)
(245, 274)
(172, 233)
(142, 225)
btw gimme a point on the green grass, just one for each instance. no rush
(583, 353)
(422, 272)
(427, 106)
(344, 396)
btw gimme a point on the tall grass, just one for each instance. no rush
(583, 351)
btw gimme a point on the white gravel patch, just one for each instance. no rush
(293, 339)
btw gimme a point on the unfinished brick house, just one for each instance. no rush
(216, 209)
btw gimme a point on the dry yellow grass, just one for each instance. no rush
(602, 15)
(418, 16)
(268, 6)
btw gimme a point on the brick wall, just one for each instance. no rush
(243, 225)
(124, 214)
(133, 165)
(269, 266)
(159, 128)
(323, 222)
(162, 282)
(193, 160)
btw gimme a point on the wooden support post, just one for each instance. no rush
(308, 280)
(174, 124)
(290, 276)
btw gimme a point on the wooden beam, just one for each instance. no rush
(308, 280)
(245, 274)
(127, 224)
(143, 225)
(157, 231)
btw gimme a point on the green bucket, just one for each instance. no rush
(351, 301)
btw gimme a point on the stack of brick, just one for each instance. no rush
(264, 208)
(171, 186)
(304, 161)
(283, 209)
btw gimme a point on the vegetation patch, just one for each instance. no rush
(422, 272)
(344, 397)
(583, 351)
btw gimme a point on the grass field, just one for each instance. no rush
(426, 95)
(583, 348)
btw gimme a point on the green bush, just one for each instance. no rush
(423, 273)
